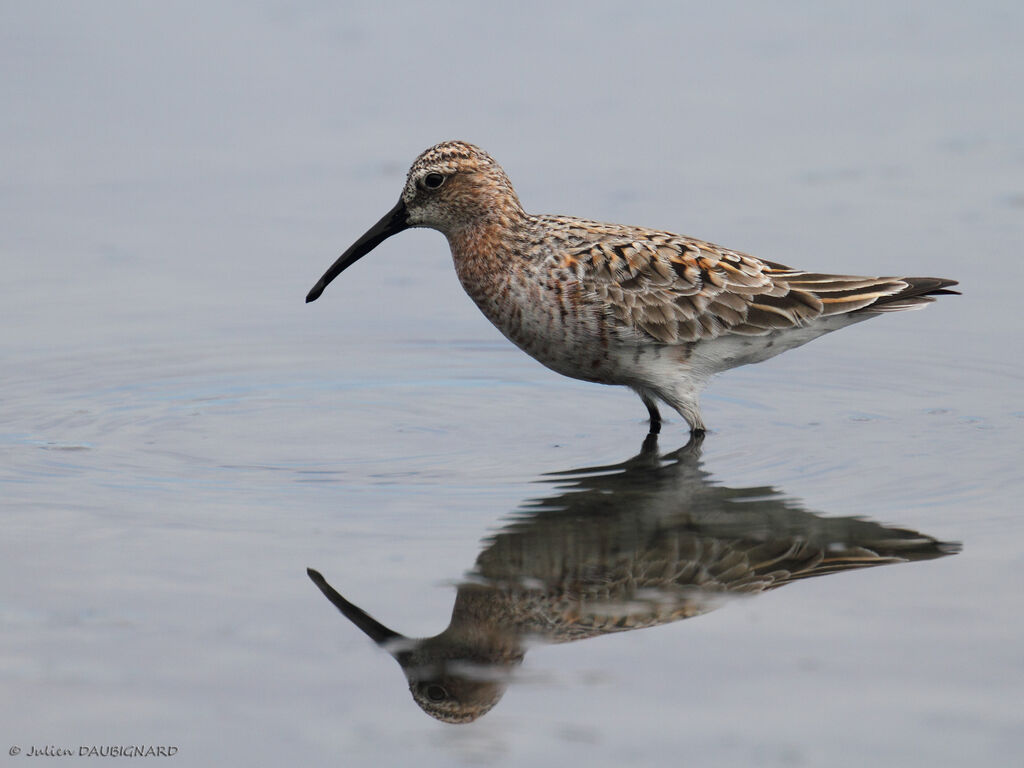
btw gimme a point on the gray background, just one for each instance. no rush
(180, 436)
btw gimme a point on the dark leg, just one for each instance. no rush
(649, 450)
(652, 409)
(691, 451)
(696, 438)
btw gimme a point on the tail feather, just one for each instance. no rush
(919, 292)
(845, 294)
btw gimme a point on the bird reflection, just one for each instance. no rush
(646, 542)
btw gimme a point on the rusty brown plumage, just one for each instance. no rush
(655, 311)
(647, 542)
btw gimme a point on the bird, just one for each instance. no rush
(647, 542)
(657, 312)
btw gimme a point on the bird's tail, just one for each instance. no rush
(848, 294)
(919, 292)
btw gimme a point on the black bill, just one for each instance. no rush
(373, 628)
(394, 221)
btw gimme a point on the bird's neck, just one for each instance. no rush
(485, 250)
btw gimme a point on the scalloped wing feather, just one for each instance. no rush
(678, 289)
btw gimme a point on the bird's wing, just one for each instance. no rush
(679, 289)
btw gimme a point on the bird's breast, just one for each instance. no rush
(549, 317)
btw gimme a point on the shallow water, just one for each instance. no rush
(181, 437)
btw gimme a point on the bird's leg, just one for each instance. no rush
(652, 409)
(683, 400)
(690, 452)
(649, 449)
(686, 403)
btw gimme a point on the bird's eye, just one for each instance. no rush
(436, 693)
(433, 180)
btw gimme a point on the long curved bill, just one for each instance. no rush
(394, 221)
(376, 631)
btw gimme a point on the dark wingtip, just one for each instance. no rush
(923, 286)
(932, 286)
(314, 294)
(314, 574)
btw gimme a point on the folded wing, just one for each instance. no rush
(678, 289)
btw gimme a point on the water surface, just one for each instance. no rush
(181, 437)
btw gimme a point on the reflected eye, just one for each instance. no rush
(436, 693)
(433, 180)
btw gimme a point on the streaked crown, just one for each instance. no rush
(455, 184)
